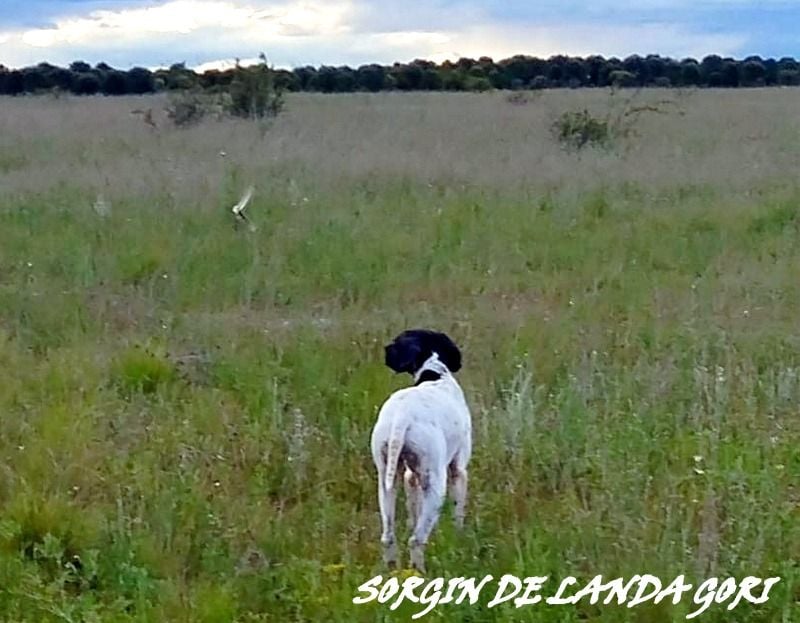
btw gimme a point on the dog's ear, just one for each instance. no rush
(448, 352)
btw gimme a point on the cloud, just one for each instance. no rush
(182, 17)
(181, 26)
(297, 32)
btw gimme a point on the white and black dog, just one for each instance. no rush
(427, 427)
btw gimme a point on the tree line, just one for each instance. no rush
(466, 74)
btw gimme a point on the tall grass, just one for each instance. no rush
(186, 406)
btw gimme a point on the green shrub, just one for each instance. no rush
(579, 129)
(188, 108)
(142, 371)
(253, 93)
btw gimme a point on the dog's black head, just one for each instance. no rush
(412, 348)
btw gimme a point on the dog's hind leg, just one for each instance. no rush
(386, 501)
(458, 484)
(432, 490)
(411, 482)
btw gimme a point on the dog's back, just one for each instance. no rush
(431, 419)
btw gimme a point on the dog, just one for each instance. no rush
(427, 428)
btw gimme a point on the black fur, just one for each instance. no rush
(428, 375)
(412, 348)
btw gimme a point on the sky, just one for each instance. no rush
(205, 33)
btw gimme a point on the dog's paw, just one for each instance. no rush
(417, 553)
(390, 555)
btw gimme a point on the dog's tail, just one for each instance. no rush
(397, 438)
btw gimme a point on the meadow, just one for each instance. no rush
(185, 406)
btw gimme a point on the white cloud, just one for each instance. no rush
(295, 32)
(187, 16)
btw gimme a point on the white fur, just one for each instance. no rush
(429, 424)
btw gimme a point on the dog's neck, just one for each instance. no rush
(432, 370)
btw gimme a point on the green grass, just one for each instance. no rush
(186, 407)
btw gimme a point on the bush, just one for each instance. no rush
(622, 78)
(579, 129)
(253, 93)
(187, 108)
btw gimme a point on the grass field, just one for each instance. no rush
(186, 407)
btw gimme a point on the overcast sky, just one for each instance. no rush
(155, 33)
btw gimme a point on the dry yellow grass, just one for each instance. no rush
(739, 140)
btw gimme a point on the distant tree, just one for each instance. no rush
(324, 80)
(730, 73)
(523, 68)
(465, 74)
(465, 64)
(178, 77)
(432, 80)
(653, 68)
(499, 79)
(637, 68)
(711, 68)
(477, 71)
(788, 64)
(555, 70)
(45, 76)
(33, 80)
(371, 77)
(113, 82)
(407, 77)
(79, 67)
(15, 83)
(417, 75)
(611, 65)
(474, 83)
(139, 80)
(346, 80)
(690, 72)
(789, 77)
(87, 84)
(453, 79)
(285, 80)
(304, 76)
(770, 72)
(575, 73)
(752, 73)
(594, 68)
